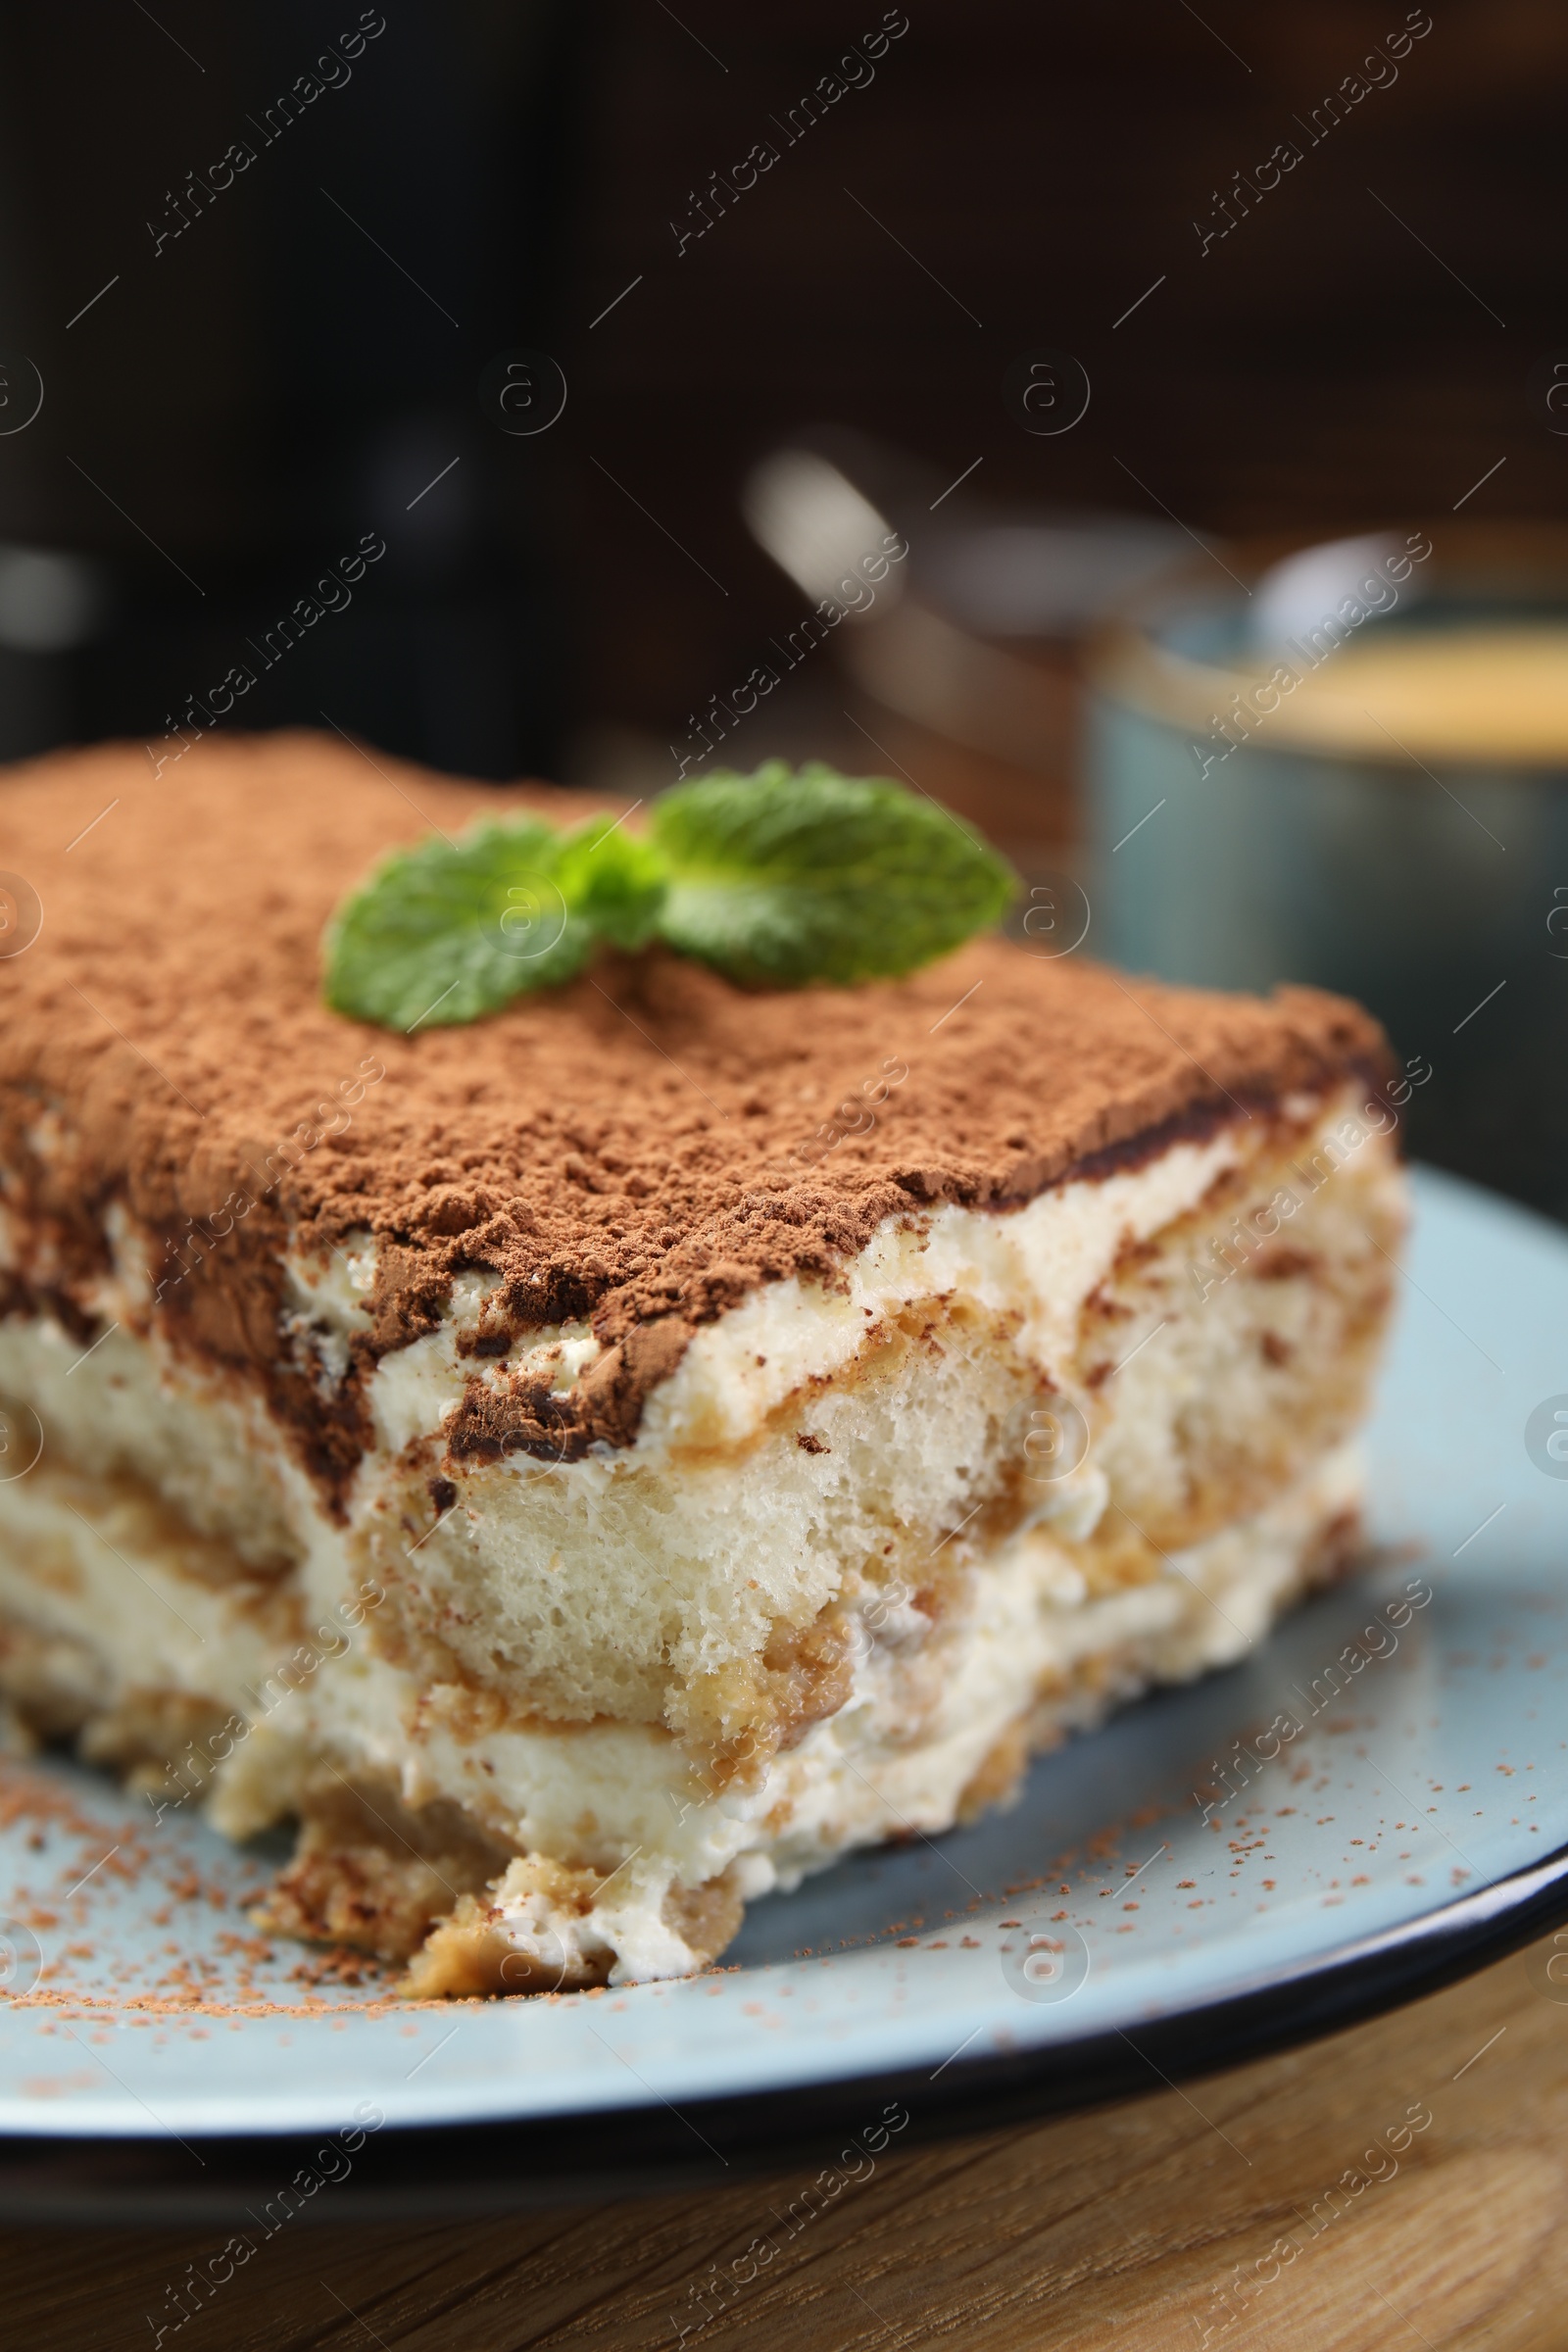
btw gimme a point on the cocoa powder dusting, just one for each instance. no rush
(640, 1148)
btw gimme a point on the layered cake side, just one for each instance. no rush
(597, 1465)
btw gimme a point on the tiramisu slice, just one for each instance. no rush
(598, 1464)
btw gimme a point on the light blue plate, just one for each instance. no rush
(1388, 1801)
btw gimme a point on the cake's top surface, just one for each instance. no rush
(642, 1147)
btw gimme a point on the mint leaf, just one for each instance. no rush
(785, 878)
(446, 931)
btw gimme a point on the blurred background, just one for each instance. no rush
(948, 392)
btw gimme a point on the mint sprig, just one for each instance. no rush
(779, 878)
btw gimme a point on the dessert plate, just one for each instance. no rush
(1373, 1801)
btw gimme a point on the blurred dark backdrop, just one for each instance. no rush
(293, 367)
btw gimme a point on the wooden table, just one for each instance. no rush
(1147, 2226)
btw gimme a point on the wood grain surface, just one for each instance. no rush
(1297, 2202)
